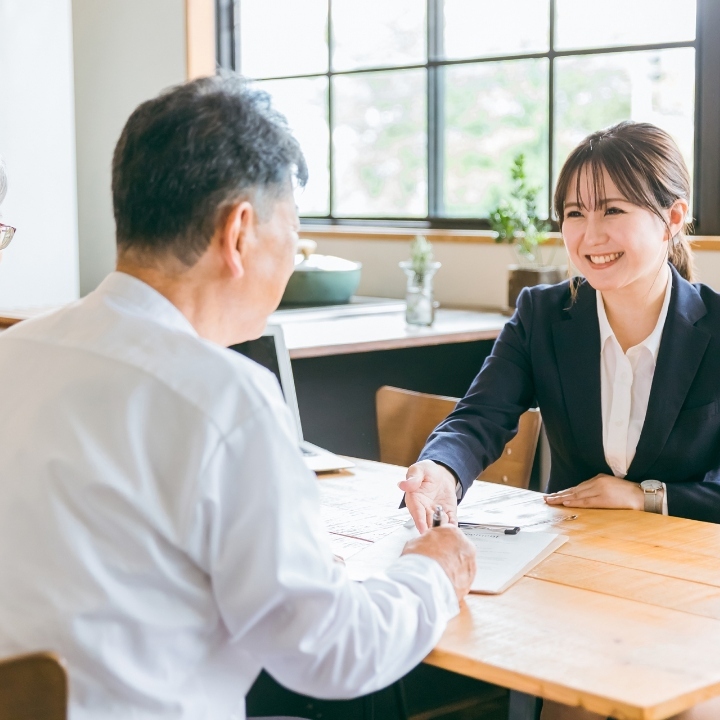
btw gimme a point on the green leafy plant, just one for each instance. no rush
(515, 219)
(421, 256)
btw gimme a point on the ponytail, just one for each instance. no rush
(681, 257)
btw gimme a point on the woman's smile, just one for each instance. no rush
(602, 261)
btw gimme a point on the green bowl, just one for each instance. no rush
(321, 287)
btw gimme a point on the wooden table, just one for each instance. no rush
(623, 620)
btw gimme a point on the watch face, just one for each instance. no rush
(649, 485)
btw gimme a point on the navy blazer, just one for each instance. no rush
(548, 355)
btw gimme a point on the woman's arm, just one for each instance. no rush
(474, 435)
(696, 500)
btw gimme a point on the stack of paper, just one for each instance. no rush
(501, 559)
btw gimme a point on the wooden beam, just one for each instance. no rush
(200, 38)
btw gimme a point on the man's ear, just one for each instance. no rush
(236, 232)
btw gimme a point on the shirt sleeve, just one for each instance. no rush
(282, 596)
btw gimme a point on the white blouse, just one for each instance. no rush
(625, 382)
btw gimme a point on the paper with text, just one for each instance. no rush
(501, 505)
(501, 559)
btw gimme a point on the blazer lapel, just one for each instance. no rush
(577, 351)
(681, 351)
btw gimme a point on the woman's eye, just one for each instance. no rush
(614, 211)
(572, 214)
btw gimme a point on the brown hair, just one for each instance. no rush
(646, 166)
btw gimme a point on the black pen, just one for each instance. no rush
(507, 529)
(437, 516)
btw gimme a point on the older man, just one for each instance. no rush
(158, 527)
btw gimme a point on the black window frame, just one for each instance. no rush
(706, 196)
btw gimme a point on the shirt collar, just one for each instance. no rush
(137, 298)
(652, 341)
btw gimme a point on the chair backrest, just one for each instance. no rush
(33, 687)
(405, 420)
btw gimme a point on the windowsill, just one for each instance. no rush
(471, 237)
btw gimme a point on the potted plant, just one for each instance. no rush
(420, 270)
(515, 221)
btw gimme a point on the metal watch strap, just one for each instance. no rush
(653, 500)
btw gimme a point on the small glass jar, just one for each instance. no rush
(420, 308)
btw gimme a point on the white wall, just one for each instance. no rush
(37, 139)
(471, 275)
(126, 51)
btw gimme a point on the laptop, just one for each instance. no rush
(270, 351)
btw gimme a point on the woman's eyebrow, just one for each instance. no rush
(606, 201)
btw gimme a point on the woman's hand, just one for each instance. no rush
(602, 491)
(426, 486)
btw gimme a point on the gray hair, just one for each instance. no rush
(184, 157)
(3, 180)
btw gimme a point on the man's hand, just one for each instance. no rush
(426, 486)
(602, 491)
(455, 553)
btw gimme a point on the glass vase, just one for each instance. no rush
(420, 308)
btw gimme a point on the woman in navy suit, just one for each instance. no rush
(623, 364)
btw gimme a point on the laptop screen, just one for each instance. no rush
(264, 353)
(269, 350)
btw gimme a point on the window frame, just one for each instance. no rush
(706, 198)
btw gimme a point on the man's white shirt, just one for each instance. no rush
(625, 383)
(159, 529)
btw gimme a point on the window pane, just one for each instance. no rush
(493, 111)
(380, 144)
(623, 22)
(593, 92)
(378, 33)
(283, 37)
(487, 27)
(304, 104)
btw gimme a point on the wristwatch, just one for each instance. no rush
(653, 490)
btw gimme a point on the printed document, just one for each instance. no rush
(501, 559)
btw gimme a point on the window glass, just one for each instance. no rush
(304, 104)
(595, 91)
(487, 27)
(493, 111)
(283, 37)
(380, 144)
(615, 23)
(378, 33)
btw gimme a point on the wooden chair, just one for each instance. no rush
(33, 687)
(405, 420)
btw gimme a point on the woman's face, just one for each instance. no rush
(616, 244)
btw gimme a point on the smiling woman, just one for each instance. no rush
(605, 181)
(622, 363)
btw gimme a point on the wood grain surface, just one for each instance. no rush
(623, 620)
